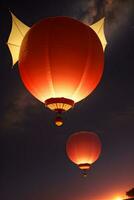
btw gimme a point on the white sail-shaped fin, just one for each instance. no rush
(98, 27)
(17, 34)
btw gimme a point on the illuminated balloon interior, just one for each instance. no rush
(61, 62)
(83, 148)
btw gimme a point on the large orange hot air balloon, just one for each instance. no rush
(83, 148)
(61, 62)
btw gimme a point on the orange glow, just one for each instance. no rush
(61, 57)
(84, 166)
(58, 121)
(83, 148)
(118, 198)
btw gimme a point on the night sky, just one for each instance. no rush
(34, 165)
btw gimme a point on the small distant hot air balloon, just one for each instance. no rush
(61, 62)
(83, 148)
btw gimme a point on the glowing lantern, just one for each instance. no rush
(61, 62)
(58, 121)
(83, 148)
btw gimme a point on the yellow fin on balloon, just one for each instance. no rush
(17, 34)
(98, 27)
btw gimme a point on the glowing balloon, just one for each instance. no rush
(83, 148)
(61, 62)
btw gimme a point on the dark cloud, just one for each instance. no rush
(16, 110)
(118, 13)
(86, 11)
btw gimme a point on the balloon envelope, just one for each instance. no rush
(83, 147)
(61, 57)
